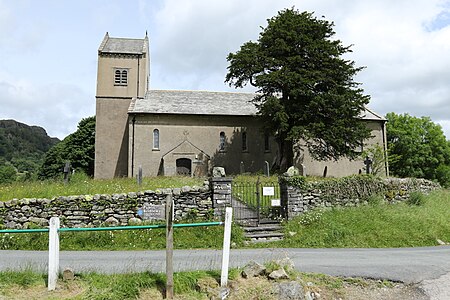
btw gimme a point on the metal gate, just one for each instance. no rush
(256, 203)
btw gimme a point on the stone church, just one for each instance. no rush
(184, 132)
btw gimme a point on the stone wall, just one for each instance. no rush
(97, 210)
(306, 197)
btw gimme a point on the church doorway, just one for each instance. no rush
(184, 166)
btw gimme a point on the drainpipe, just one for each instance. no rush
(133, 121)
(138, 74)
(383, 131)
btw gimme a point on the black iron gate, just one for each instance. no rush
(256, 203)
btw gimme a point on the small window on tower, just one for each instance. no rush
(121, 77)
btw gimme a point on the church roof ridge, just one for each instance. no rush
(121, 45)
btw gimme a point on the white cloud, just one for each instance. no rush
(403, 44)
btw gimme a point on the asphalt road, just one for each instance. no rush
(409, 265)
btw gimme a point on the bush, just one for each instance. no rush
(8, 174)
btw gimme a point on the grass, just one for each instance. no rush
(375, 226)
(81, 184)
(187, 285)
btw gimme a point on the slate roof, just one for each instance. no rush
(204, 103)
(194, 103)
(123, 45)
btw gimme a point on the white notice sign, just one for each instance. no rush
(275, 202)
(268, 191)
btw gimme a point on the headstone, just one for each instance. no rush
(266, 168)
(66, 172)
(368, 163)
(302, 170)
(219, 172)
(242, 168)
(139, 176)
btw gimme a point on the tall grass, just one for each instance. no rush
(376, 225)
(80, 184)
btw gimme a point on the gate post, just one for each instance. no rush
(221, 194)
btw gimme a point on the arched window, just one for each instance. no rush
(155, 139)
(222, 141)
(121, 77)
(244, 141)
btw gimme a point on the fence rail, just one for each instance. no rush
(64, 229)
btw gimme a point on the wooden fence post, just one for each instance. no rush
(53, 253)
(169, 246)
(226, 246)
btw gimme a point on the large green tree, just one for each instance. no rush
(77, 148)
(417, 147)
(305, 87)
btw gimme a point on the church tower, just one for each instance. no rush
(122, 74)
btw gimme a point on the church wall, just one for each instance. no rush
(204, 133)
(111, 138)
(343, 167)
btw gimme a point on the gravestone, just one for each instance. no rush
(266, 168)
(242, 168)
(66, 172)
(368, 163)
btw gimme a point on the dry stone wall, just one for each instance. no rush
(97, 210)
(348, 192)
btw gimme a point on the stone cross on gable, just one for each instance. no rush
(186, 134)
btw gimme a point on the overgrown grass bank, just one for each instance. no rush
(80, 184)
(414, 224)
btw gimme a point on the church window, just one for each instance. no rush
(222, 141)
(155, 139)
(244, 141)
(120, 77)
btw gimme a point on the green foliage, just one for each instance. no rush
(377, 154)
(78, 148)
(417, 148)
(305, 88)
(23, 279)
(416, 198)
(23, 146)
(8, 174)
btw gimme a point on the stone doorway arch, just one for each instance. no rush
(184, 166)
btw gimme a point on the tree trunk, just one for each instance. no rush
(285, 157)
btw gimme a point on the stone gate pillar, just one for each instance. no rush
(221, 194)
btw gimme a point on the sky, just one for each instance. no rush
(48, 50)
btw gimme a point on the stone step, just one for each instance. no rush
(266, 235)
(263, 228)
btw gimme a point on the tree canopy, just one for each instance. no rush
(306, 89)
(77, 148)
(417, 147)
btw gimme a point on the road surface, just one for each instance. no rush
(409, 265)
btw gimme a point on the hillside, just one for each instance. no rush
(22, 145)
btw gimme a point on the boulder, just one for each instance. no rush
(68, 274)
(278, 274)
(253, 269)
(289, 291)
